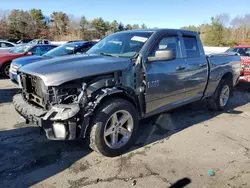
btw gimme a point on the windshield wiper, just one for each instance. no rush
(106, 54)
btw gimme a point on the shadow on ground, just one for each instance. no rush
(7, 94)
(160, 127)
(24, 153)
(181, 183)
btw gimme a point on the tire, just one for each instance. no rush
(4, 70)
(216, 102)
(103, 122)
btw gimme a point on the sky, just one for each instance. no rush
(154, 13)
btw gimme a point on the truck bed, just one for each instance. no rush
(219, 64)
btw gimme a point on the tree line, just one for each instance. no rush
(20, 24)
(223, 31)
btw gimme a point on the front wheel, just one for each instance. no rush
(221, 96)
(113, 128)
(5, 70)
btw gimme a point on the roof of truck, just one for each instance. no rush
(160, 30)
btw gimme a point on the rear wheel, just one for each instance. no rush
(5, 70)
(222, 95)
(113, 127)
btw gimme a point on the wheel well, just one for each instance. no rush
(228, 76)
(124, 96)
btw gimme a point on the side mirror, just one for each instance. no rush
(163, 55)
(29, 53)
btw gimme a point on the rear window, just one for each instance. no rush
(241, 51)
(191, 46)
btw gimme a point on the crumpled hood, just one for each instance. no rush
(27, 60)
(66, 68)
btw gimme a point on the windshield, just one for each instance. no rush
(33, 41)
(66, 49)
(121, 44)
(21, 49)
(241, 51)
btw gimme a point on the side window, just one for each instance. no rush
(46, 42)
(247, 51)
(43, 49)
(36, 50)
(2, 45)
(83, 49)
(169, 42)
(192, 49)
(6, 45)
(9, 45)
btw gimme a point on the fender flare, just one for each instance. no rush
(107, 92)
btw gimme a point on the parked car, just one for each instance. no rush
(8, 56)
(66, 49)
(40, 41)
(127, 76)
(23, 42)
(244, 52)
(6, 45)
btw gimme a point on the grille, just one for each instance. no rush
(14, 68)
(33, 87)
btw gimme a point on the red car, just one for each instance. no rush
(6, 57)
(244, 52)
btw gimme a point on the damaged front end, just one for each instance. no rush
(62, 111)
(58, 110)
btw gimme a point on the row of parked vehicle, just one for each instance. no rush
(244, 52)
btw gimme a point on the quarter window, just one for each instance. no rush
(192, 49)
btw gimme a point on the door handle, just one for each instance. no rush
(180, 68)
(203, 65)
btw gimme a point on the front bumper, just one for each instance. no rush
(13, 78)
(58, 123)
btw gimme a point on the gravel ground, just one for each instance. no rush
(175, 149)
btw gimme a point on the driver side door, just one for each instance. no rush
(165, 85)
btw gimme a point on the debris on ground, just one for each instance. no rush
(210, 173)
(134, 183)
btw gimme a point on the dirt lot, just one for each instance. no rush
(175, 149)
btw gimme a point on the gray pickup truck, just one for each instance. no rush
(100, 96)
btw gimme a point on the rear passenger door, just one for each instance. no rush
(196, 68)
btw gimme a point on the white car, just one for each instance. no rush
(40, 41)
(6, 45)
